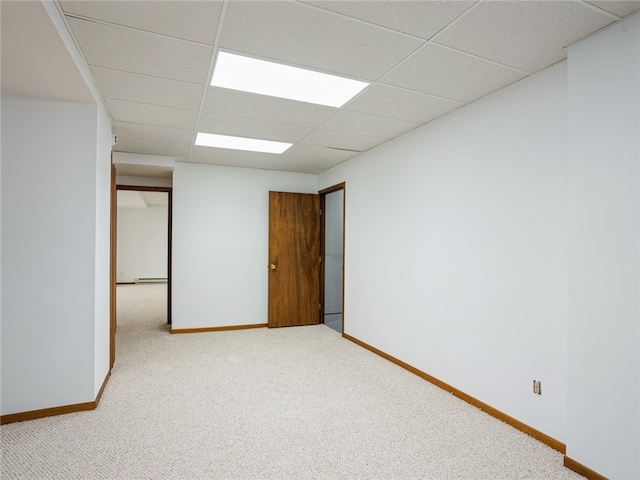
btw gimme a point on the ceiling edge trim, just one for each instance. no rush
(57, 18)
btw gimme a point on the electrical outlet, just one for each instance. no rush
(537, 387)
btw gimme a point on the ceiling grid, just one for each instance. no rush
(153, 61)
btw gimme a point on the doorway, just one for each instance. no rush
(141, 244)
(332, 241)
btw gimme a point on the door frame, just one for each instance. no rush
(323, 193)
(114, 249)
(113, 238)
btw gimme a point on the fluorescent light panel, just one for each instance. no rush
(266, 78)
(240, 143)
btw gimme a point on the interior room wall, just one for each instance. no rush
(142, 243)
(220, 242)
(49, 224)
(604, 256)
(102, 248)
(456, 249)
(143, 181)
(100, 157)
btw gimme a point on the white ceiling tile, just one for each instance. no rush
(196, 21)
(303, 35)
(420, 18)
(152, 132)
(246, 127)
(446, 73)
(369, 125)
(394, 102)
(341, 140)
(621, 8)
(318, 152)
(237, 158)
(132, 112)
(295, 168)
(135, 51)
(146, 89)
(261, 107)
(524, 35)
(151, 59)
(240, 163)
(135, 145)
(295, 160)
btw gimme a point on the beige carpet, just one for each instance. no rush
(293, 403)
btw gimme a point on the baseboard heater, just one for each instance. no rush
(150, 280)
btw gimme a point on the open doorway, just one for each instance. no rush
(142, 237)
(332, 207)
(141, 259)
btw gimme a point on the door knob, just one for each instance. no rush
(272, 266)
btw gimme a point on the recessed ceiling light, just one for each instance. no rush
(266, 78)
(240, 143)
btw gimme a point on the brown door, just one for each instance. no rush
(294, 256)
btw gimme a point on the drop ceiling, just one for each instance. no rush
(152, 62)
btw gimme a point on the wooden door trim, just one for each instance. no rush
(494, 412)
(169, 192)
(59, 410)
(335, 188)
(583, 470)
(112, 266)
(144, 188)
(323, 193)
(219, 329)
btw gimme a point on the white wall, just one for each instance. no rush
(220, 242)
(48, 253)
(55, 242)
(455, 253)
(102, 248)
(604, 251)
(142, 242)
(143, 181)
(101, 159)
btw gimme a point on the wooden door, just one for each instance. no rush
(294, 259)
